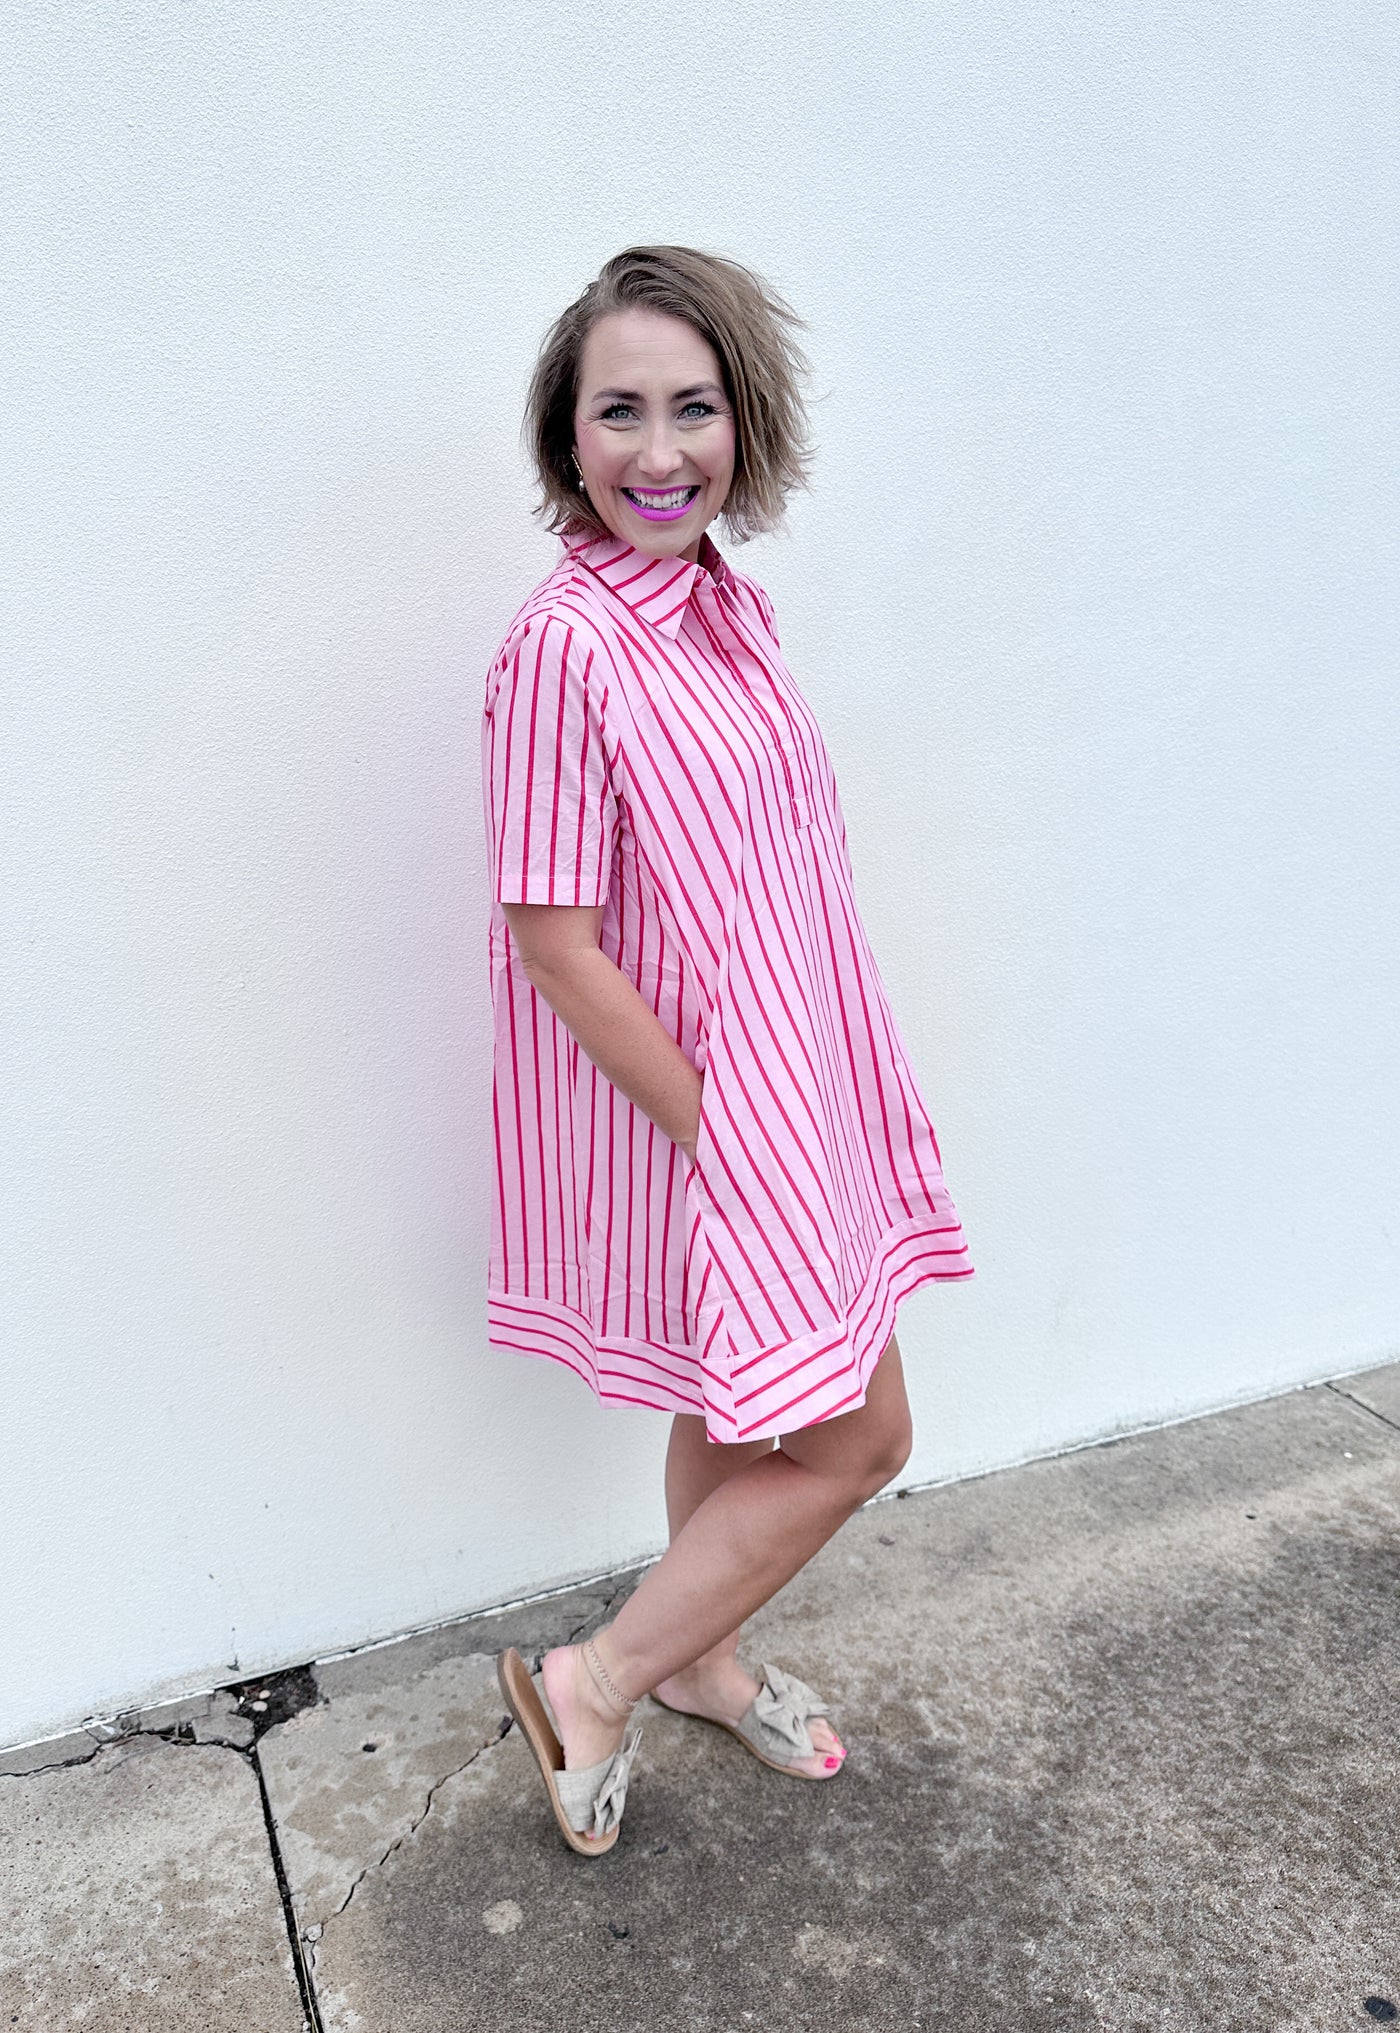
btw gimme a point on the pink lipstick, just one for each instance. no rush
(672, 505)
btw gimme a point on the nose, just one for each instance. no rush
(661, 453)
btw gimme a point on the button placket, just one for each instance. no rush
(797, 799)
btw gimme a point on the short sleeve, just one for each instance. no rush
(551, 813)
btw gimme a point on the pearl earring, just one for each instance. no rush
(579, 470)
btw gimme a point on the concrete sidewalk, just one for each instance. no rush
(1123, 1754)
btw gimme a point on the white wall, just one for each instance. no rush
(1096, 599)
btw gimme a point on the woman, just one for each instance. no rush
(715, 1175)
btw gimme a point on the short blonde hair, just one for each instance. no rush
(750, 328)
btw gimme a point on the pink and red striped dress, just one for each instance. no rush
(644, 747)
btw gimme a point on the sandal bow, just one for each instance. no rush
(783, 1705)
(611, 1797)
(596, 1796)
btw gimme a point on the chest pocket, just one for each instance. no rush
(763, 689)
(710, 760)
(797, 795)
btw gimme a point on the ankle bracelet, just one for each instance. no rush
(605, 1679)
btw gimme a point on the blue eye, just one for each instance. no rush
(615, 409)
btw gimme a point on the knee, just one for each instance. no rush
(860, 1472)
(887, 1454)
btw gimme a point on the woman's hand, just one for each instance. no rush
(561, 958)
(689, 1144)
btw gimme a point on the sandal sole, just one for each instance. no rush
(522, 1699)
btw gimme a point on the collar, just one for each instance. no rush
(656, 589)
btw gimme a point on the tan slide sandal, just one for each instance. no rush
(774, 1725)
(585, 1801)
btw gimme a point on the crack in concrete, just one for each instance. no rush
(594, 1620)
(313, 1938)
(572, 1638)
(177, 1734)
(63, 1764)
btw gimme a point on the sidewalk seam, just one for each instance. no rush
(310, 2004)
(1362, 1406)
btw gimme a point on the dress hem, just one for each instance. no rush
(801, 1382)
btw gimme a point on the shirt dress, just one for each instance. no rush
(644, 747)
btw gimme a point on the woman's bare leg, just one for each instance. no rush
(755, 1529)
(695, 1468)
(716, 1684)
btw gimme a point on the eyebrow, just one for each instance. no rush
(634, 395)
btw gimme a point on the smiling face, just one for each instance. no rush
(653, 431)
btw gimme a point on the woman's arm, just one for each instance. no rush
(626, 1041)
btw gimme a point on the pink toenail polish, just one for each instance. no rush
(832, 1763)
